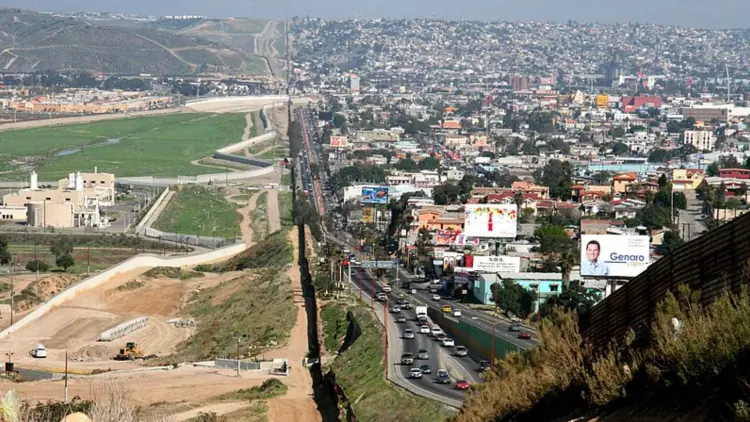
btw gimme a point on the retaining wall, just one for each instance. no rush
(138, 261)
(232, 364)
(152, 209)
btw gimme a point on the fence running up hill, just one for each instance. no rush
(712, 264)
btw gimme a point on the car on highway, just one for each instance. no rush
(426, 369)
(462, 385)
(406, 305)
(409, 333)
(461, 351)
(443, 377)
(424, 329)
(423, 354)
(457, 313)
(447, 309)
(484, 365)
(514, 327)
(395, 310)
(401, 319)
(435, 331)
(436, 297)
(380, 296)
(440, 337)
(448, 342)
(415, 373)
(407, 359)
(525, 335)
(386, 288)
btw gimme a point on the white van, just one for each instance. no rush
(39, 352)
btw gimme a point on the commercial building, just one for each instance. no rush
(702, 140)
(354, 82)
(76, 202)
(705, 114)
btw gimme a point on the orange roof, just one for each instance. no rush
(451, 124)
(625, 176)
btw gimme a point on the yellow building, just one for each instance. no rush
(686, 179)
(602, 101)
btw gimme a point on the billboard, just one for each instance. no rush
(368, 215)
(602, 101)
(611, 255)
(490, 220)
(374, 195)
(339, 142)
(497, 264)
(451, 237)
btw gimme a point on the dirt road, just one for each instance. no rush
(297, 404)
(274, 216)
(246, 226)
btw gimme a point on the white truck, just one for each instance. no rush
(39, 352)
(421, 312)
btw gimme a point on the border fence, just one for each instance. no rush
(712, 264)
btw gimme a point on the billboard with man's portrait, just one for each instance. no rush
(611, 255)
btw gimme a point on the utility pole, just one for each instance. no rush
(11, 290)
(66, 376)
(36, 260)
(88, 260)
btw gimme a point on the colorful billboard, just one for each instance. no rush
(374, 195)
(497, 264)
(339, 142)
(451, 237)
(490, 220)
(611, 255)
(368, 215)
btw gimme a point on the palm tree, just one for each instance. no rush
(567, 260)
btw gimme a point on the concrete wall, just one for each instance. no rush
(232, 364)
(150, 214)
(199, 180)
(250, 142)
(139, 261)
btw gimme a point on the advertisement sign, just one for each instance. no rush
(611, 255)
(497, 264)
(374, 195)
(339, 142)
(368, 215)
(490, 220)
(452, 237)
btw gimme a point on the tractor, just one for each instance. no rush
(130, 352)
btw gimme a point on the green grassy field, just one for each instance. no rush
(285, 209)
(259, 217)
(157, 145)
(198, 209)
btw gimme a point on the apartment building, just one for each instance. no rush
(702, 140)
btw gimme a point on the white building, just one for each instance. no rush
(702, 140)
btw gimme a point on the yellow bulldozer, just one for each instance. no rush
(130, 352)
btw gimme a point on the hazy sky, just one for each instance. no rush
(696, 13)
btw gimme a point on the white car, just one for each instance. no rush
(424, 329)
(387, 288)
(415, 373)
(448, 342)
(39, 352)
(457, 313)
(435, 331)
(436, 297)
(409, 333)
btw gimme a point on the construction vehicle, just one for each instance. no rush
(130, 352)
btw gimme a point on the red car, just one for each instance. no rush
(462, 385)
(524, 336)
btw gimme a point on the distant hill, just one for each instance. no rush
(31, 41)
(241, 33)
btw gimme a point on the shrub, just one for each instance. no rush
(37, 265)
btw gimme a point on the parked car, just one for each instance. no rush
(461, 351)
(457, 313)
(426, 369)
(423, 354)
(448, 342)
(407, 359)
(400, 319)
(462, 385)
(409, 333)
(443, 377)
(514, 327)
(424, 329)
(415, 373)
(484, 365)
(525, 335)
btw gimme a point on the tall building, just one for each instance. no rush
(612, 71)
(518, 82)
(353, 82)
(702, 140)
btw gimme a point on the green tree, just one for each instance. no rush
(665, 196)
(5, 256)
(575, 297)
(663, 181)
(445, 194)
(424, 241)
(617, 132)
(654, 215)
(65, 261)
(513, 299)
(553, 239)
(61, 245)
(733, 203)
(558, 175)
(670, 242)
(338, 120)
(721, 196)
(620, 149)
(713, 169)
(37, 265)
(658, 156)
(602, 177)
(729, 162)
(429, 163)
(742, 190)
(406, 164)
